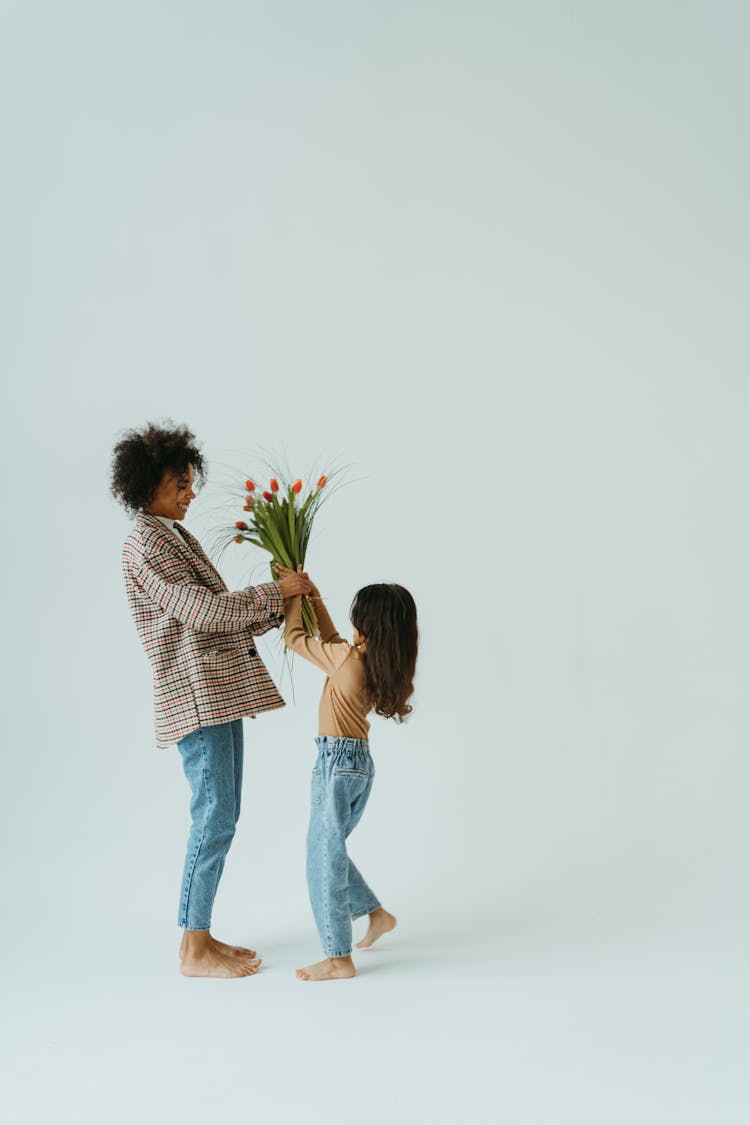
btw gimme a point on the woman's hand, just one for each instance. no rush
(292, 582)
(284, 572)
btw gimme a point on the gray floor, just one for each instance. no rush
(534, 1017)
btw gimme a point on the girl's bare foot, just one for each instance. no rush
(202, 957)
(222, 947)
(333, 968)
(381, 922)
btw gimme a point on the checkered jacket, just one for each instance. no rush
(197, 636)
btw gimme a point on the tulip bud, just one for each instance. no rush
(267, 496)
(297, 486)
(274, 485)
(238, 538)
(250, 485)
(248, 505)
(322, 481)
(241, 525)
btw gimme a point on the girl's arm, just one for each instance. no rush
(328, 654)
(328, 631)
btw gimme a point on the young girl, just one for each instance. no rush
(376, 672)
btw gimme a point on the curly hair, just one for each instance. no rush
(386, 616)
(142, 457)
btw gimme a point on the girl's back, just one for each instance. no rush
(376, 672)
(343, 705)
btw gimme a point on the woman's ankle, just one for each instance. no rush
(195, 941)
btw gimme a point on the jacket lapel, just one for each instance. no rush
(189, 547)
(199, 556)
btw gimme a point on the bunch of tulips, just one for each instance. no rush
(280, 521)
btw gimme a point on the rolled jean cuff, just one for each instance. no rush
(339, 953)
(369, 910)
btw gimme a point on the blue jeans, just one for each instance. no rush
(212, 760)
(341, 783)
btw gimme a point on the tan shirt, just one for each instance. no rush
(342, 712)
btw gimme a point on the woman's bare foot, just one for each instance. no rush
(220, 947)
(234, 950)
(202, 958)
(213, 964)
(333, 968)
(381, 922)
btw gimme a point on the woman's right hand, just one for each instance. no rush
(284, 572)
(291, 583)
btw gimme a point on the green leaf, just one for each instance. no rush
(291, 522)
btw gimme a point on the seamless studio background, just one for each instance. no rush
(494, 257)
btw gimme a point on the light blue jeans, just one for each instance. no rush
(212, 760)
(341, 784)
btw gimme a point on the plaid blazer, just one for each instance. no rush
(197, 636)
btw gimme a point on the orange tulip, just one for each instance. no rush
(238, 539)
(241, 525)
(322, 481)
(274, 485)
(250, 485)
(297, 486)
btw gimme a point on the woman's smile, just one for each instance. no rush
(174, 495)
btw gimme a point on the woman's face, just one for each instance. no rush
(172, 497)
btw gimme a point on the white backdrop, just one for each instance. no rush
(495, 258)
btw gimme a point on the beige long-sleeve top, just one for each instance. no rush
(343, 711)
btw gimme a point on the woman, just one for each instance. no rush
(207, 672)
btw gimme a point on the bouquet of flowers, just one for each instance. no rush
(280, 521)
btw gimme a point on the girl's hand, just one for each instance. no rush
(314, 591)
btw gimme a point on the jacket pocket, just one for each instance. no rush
(220, 657)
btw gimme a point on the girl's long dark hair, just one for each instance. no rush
(386, 616)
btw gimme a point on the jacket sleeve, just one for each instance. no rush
(204, 611)
(328, 655)
(273, 622)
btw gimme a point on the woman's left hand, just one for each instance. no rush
(285, 572)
